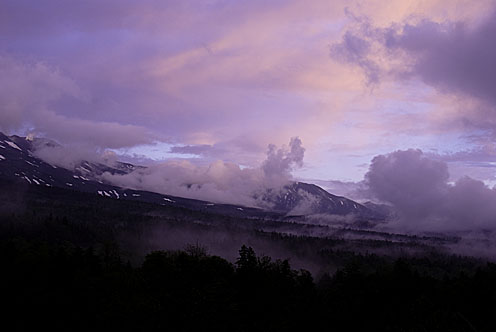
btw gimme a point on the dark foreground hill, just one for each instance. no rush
(69, 288)
(81, 262)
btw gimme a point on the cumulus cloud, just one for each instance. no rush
(281, 161)
(220, 181)
(418, 188)
(408, 180)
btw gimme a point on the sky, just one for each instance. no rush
(209, 81)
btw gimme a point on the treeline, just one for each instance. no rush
(58, 216)
(64, 287)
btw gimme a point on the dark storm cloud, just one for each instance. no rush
(408, 180)
(418, 188)
(452, 56)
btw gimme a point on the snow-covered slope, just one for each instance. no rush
(18, 164)
(299, 198)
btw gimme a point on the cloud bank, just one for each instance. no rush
(27, 97)
(221, 182)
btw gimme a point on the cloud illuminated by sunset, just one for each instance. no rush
(224, 79)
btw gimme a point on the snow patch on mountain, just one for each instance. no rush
(13, 145)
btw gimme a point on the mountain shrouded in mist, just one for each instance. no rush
(108, 178)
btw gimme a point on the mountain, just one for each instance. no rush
(299, 198)
(19, 163)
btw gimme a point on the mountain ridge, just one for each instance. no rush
(18, 162)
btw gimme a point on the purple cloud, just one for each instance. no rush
(355, 48)
(220, 181)
(408, 180)
(191, 149)
(452, 57)
(220, 78)
(29, 91)
(418, 188)
(281, 161)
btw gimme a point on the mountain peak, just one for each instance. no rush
(300, 198)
